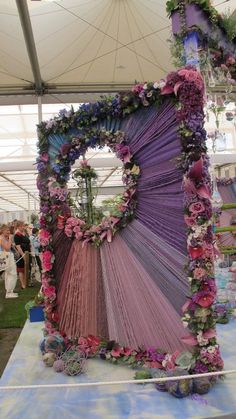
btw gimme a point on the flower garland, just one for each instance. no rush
(225, 22)
(185, 87)
(96, 234)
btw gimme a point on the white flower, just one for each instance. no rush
(211, 349)
(145, 86)
(185, 324)
(201, 340)
(162, 83)
(156, 85)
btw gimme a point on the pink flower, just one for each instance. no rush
(196, 207)
(199, 273)
(190, 221)
(195, 252)
(128, 351)
(84, 163)
(153, 364)
(49, 292)
(78, 232)
(44, 237)
(44, 156)
(204, 298)
(116, 352)
(72, 221)
(192, 75)
(47, 260)
(68, 231)
(93, 340)
(138, 88)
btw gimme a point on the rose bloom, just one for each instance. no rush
(44, 237)
(49, 291)
(199, 273)
(47, 260)
(204, 298)
(78, 232)
(68, 231)
(72, 221)
(190, 221)
(196, 207)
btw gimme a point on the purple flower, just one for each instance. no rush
(64, 113)
(200, 367)
(153, 355)
(41, 166)
(51, 123)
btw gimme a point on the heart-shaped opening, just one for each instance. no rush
(84, 225)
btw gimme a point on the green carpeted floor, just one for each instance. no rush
(12, 310)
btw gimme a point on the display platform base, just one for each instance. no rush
(131, 401)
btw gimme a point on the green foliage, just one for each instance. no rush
(228, 23)
(171, 7)
(142, 375)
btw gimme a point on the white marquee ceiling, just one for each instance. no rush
(81, 46)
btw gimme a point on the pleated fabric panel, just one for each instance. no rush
(138, 313)
(81, 300)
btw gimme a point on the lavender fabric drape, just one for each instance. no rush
(138, 313)
(228, 195)
(162, 263)
(133, 288)
(153, 141)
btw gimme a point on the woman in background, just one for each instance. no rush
(22, 243)
(10, 271)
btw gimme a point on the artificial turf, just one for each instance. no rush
(12, 310)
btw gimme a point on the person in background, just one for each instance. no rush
(35, 245)
(22, 243)
(10, 271)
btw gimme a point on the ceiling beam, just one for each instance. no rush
(18, 186)
(13, 203)
(30, 44)
(107, 177)
(107, 190)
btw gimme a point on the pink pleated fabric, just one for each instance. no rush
(138, 313)
(81, 301)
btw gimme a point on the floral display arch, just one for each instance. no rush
(86, 128)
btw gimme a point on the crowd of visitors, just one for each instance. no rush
(19, 255)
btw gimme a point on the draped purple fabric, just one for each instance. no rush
(228, 196)
(133, 288)
(153, 141)
(162, 263)
(138, 313)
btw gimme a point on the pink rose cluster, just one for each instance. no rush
(176, 80)
(47, 260)
(73, 227)
(44, 237)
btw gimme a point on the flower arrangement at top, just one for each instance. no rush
(225, 21)
(185, 88)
